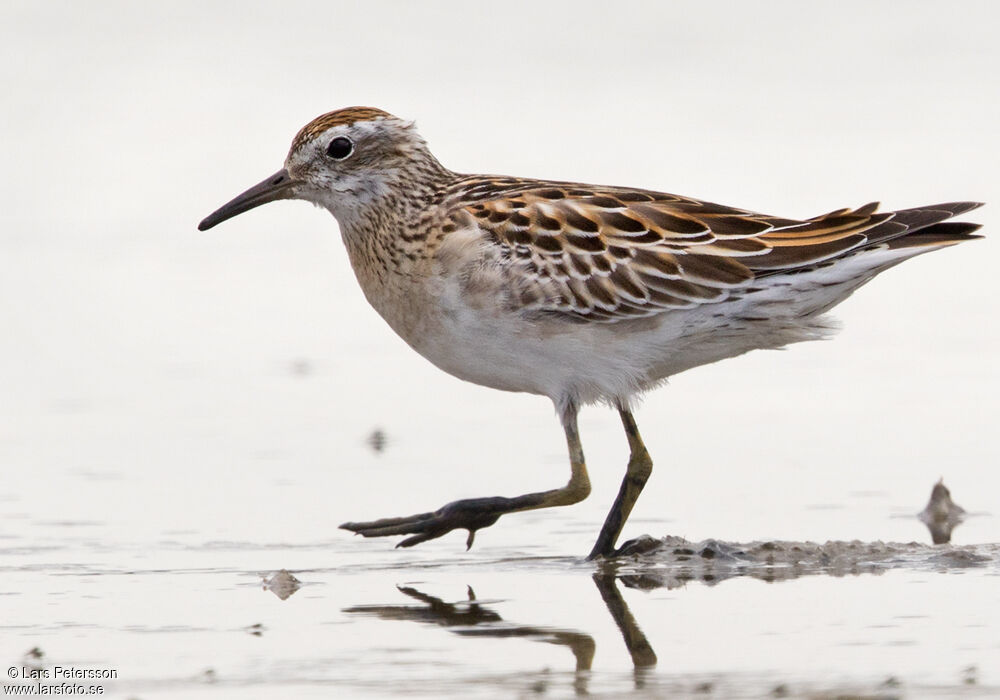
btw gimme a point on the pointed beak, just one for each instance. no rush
(278, 186)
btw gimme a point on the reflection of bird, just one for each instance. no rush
(576, 292)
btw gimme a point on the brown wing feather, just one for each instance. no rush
(604, 253)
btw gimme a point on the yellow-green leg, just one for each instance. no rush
(476, 513)
(640, 466)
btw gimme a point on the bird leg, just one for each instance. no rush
(640, 466)
(475, 513)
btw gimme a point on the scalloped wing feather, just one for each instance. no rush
(607, 254)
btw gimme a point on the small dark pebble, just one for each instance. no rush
(639, 545)
(970, 675)
(301, 367)
(377, 440)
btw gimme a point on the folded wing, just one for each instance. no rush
(607, 254)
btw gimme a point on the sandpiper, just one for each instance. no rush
(581, 293)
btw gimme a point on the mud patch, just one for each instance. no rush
(670, 562)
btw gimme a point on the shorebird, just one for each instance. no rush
(581, 293)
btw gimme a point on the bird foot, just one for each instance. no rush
(470, 514)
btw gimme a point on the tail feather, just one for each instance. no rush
(841, 234)
(937, 235)
(906, 222)
(908, 233)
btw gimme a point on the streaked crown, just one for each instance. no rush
(339, 117)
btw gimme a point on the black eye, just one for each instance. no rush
(340, 148)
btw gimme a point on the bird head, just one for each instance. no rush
(345, 161)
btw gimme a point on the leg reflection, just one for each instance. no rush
(473, 619)
(638, 646)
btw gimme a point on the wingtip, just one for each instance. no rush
(942, 235)
(958, 208)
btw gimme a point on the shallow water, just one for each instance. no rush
(185, 416)
(177, 619)
(177, 613)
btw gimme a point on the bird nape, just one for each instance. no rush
(581, 293)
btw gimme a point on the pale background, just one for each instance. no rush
(163, 388)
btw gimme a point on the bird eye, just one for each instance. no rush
(340, 148)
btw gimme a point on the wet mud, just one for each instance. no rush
(648, 562)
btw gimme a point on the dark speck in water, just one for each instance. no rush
(301, 367)
(891, 682)
(33, 658)
(970, 675)
(377, 440)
